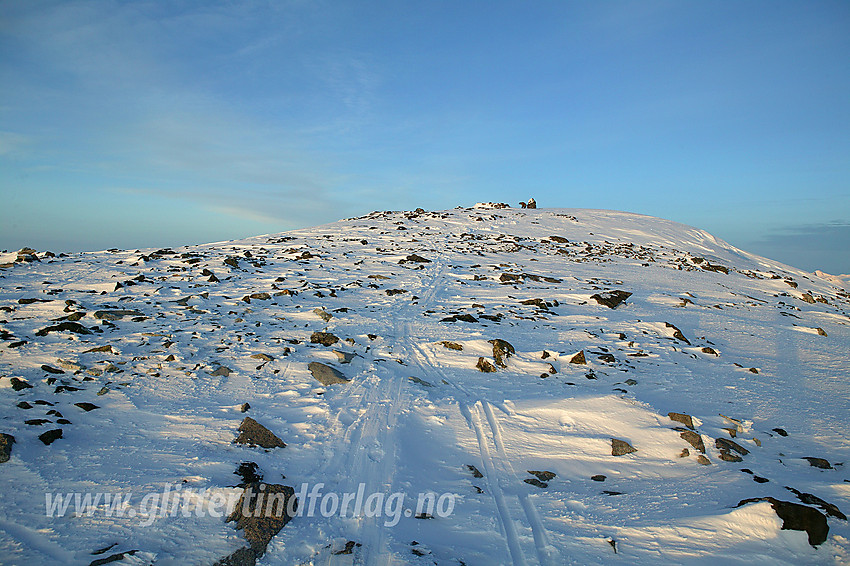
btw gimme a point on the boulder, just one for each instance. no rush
(253, 433)
(621, 447)
(325, 374)
(682, 418)
(485, 366)
(611, 299)
(260, 522)
(6, 441)
(323, 338)
(68, 326)
(797, 517)
(579, 359)
(502, 350)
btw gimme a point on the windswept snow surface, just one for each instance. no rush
(744, 345)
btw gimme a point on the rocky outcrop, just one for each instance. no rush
(253, 433)
(797, 517)
(611, 299)
(325, 374)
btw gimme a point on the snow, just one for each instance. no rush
(416, 414)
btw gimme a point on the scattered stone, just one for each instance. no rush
(611, 299)
(325, 374)
(349, 545)
(416, 259)
(536, 483)
(6, 442)
(598, 477)
(249, 474)
(344, 357)
(244, 407)
(74, 327)
(692, 438)
(708, 350)
(418, 381)
(323, 338)
(261, 356)
(703, 460)
(87, 406)
(476, 473)
(502, 350)
(686, 420)
(115, 314)
(621, 447)
(807, 297)
(725, 445)
(780, 431)
(50, 369)
(323, 314)
(809, 499)
(222, 371)
(684, 453)
(452, 345)
(255, 434)
(24, 405)
(392, 292)
(579, 359)
(818, 463)
(797, 517)
(542, 475)
(677, 334)
(113, 558)
(485, 366)
(559, 239)
(262, 521)
(50, 436)
(18, 383)
(821, 331)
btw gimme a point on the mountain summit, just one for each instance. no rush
(482, 385)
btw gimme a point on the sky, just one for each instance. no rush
(152, 124)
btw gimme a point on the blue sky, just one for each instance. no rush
(140, 124)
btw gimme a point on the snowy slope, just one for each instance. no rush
(754, 351)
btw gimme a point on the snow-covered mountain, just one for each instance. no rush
(563, 387)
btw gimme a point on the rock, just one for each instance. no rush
(344, 357)
(708, 350)
(116, 314)
(476, 473)
(87, 406)
(725, 445)
(6, 442)
(249, 474)
(686, 420)
(243, 408)
(502, 350)
(531, 203)
(808, 298)
(611, 299)
(452, 345)
(50, 369)
(416, 259)
(677, 334)
(392, 292)
(50, 436)
(703, 460)
(323, 338)
(821, 331)
(18, 383)
(222, 371)
(113, 558)
(693, 439)
(780, 431)
(325, 374)
(684, 453)
(579, 359)
(244, 556)
(621, 447)
(818, 463)
(323, 314)
(419, 381)
(255, 434)
(559, 239)
(260, 522)
(231, 262)
(261, 356)
(485, 366)
(536, 483)
(542, 476)
(107, 348)
(26, 255)
(797, 517)
(74, 327)
(809, 499)
(598, 477)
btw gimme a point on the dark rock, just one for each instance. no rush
(36, 422)
(74, 327)
(107, 348)
(115, 314)
(18, 383)
(50, 436)
(349, 545)
(502, 350)
(244, 556)
(248, 472)
(392, 292)
(809, 499)
(725, 445)
(686, 420)
(703, 460)
(262, 522)
(677, 334)
(611, 299)
(112, 558)
(598, 477)
(244, 408)
(807, 297)
(531, 203)
(821, 331)
(797, 517)
(621, 447)
(344, 357)
(325, 374)
(542, 475)
(485, 366)
(693, 439)
(416, 259)
(476, 473)
(323, 338)
(50, 369)
(221, 371)
(729, 457)
(708, 350)
(536, 483)
(579, 359)
(24, 405)
(818, 463)
(452, 345)
(255, 434)
(87, 406)
(559, 239)
(6, 442)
